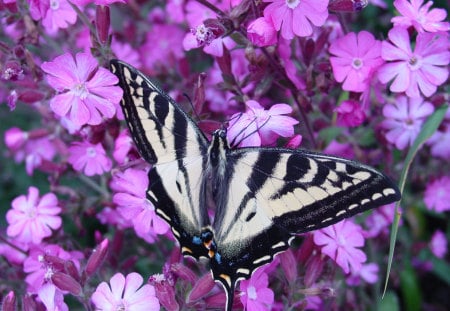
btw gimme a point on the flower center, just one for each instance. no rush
(54, 4)
(203, 35)
(357, 63)
(121, 306)
(90, 152)
(292, 4)
(414, 62)
(251, 292)
(80, 91)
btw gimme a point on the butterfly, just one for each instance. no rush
(262, 197)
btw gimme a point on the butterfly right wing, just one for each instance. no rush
(169, 140)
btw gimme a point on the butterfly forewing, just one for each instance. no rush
(167, 138)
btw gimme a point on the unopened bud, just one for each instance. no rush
(347, 5)
(15, 138)
(289, 265)
(97, 257)
(102, 23)
(201, 288)
(164, 292)
(183, 272)
(9, 302)
(66, 283)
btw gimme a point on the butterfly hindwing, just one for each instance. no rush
(167, 138)
(274, 194)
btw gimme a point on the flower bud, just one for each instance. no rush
(97, 257)
(15, 138)
(183, 272)
(164, 292)
(66, 283)
(102, 23)
(347, 5)
(313, 270)
(201, 288)
(261, 32)
(9, 302)
(289, 265)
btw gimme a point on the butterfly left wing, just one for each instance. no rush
(273, 194)
(168, 139)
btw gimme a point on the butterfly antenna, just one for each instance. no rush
(249, 134)
(194, 111)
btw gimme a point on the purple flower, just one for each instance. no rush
(167, 40)
(440, 141)
(438, 244)
(130, 189)
(368, 273)
(258, 126)
(261, 32)
(122, 146)
(437, 195)
(340, 149)
(295, 18)
(89, 158)
(404, 120)
(255, 294)
(340, 242)
(40, 270)
(355, 57)
(32, 218)
(379, 221)
(421, 70)
(87, 92)
(125, 293)
(414, 13)
(55, 14)
(350, 113)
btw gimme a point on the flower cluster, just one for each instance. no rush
(312, 73)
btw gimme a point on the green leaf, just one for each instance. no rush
(389, 302)
(409, 284)
(428, 129)
(330, 133)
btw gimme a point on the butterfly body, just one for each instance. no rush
(261, 197)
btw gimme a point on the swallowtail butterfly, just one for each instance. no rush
(262, 197)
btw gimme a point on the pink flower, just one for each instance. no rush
(89, 158)
(414, 13)
(258, 126)
(340, 242)
(440, 141)
(125, 293)
(87, 92)
(379, 221)
(40, 270)
(261, 32)
(350, 113)
(255, 294)
(55, 14)
(354, 59)
(404, 120)
(32, 218)
(438, 244)
(167, 41)
(421, 70)
(340, 149)
(296, 17)
(368, 273)
(122, 146)
(437, 195)
(130, 189)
